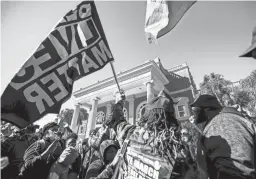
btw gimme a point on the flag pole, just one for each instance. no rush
(114, 73)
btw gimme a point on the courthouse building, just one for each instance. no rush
(140, 84)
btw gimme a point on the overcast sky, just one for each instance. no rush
(209, 38)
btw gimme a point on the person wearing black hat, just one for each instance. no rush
(40, 156)
(226, 148)
(98, 168)
(151, 149)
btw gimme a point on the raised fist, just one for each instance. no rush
(116, 115)
(120, 96)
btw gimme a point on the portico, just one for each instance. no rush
(140, 84)
(146, 79)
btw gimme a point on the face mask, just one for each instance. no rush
(199, 115)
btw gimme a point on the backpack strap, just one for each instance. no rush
(123, 151)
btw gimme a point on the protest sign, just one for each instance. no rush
(76, 47)
(162, 16)
(144, 166)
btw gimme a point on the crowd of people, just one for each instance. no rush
(58, 154)
(225, 148)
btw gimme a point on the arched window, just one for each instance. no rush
(125, 114)
(100, 117)
(140, 110)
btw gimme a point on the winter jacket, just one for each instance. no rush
(60, 168)
(14, 148)
(227, 147)
(93, 153)
(99, 169)
(34, 165)
(75, 167)
(84, 163)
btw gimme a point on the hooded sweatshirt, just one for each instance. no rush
(98, 169)
(60, 168)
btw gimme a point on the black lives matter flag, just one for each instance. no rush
(76, 47)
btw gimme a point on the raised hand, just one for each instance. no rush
(103, 130)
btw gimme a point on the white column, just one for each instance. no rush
(108, 109)
(92, 117)
(150, 93)
(131, 110)
(73, 125)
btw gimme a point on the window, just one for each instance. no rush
(182, 111)
(100, 117)
(140, 110)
